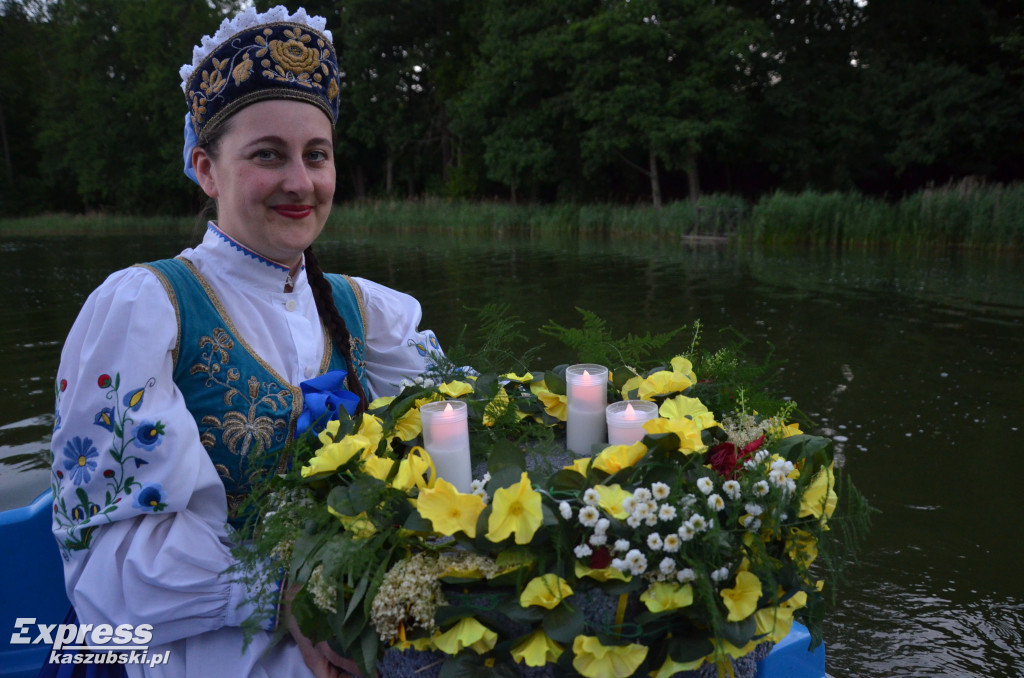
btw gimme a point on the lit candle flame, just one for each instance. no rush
(448, 411)
(630, 413)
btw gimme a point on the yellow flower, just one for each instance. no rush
(547, 590)
(448, 510)
(497, 407)
(611, 498)
(409, 425)
(802, 547)
(687, 430)
(554, 404)
(372, 428)
(682, 407)
(604, 574)
(537, 650)
(512, 376)
(378, 467)
(421, 644)
(360, 526)
(614, 458)
(334, 455)
(683, 366)
(777, 621)
(515, 509)
(658, 384)
(820, 496)
(671, 668)
(455, 389)
(664, 595)
(741, 601)
(468, 632)
(411, 470)
(595, 660)
(383, 401)
(580, 465)
(330, 432)
(791, 430)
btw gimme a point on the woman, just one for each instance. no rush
(178, 375)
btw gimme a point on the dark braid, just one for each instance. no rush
(334, 323)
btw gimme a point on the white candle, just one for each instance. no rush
(446, 439)
(586, 395)
(626, 420)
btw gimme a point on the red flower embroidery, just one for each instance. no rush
(104, 380)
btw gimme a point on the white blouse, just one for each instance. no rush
(158, 553)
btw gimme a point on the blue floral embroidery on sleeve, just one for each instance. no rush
(151, 498)
(80, 459)
(133, 401)
(148, 435)
(105, 418)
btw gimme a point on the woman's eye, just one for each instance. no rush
(265, 154)
(317, 156)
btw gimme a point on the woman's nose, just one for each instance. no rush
(297, 178)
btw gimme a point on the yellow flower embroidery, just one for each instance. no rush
(294, 56)
(243, 70)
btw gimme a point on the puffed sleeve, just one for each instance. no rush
(396, 348)
(139, 511)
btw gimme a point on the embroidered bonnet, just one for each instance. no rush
(253, 57)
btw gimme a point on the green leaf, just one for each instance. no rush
(563, 623)
(505, 477)
(555, 380)
(688, 647)
(506, 455)
(740, 633)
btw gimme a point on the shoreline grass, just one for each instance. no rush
(965, 215)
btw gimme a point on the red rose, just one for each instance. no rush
(722, 458)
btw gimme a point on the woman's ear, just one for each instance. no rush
(203, 165)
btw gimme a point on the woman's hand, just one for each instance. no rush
(320, 658)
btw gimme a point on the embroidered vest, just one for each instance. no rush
(243, 408)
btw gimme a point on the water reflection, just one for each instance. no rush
(911, 363)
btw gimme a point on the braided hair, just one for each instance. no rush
(334, 323)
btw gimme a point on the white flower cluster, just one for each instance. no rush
(411, 590)
(409, 594)
(479, 487)
(250, 18)
(325, 594)
(418, 380)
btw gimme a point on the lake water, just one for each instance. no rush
(913, 363)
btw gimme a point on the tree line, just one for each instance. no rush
(579, 101)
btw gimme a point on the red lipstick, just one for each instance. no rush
(293, 211)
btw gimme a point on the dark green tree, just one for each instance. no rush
(113, 110)
(656, 81)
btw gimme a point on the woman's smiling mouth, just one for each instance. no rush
(293, 211)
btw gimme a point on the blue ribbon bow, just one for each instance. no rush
(323, 398)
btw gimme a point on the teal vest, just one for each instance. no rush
(243, 408)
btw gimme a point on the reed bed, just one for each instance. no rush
(967, 214)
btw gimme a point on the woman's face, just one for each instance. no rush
(272, 177)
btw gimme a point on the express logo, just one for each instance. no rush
(88, 643)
